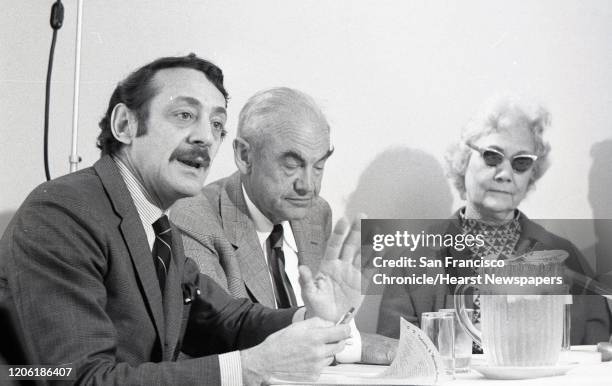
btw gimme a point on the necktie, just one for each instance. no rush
(285, 297)
(162, 249)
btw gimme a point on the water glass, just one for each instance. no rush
(440, 329)
(567, 323)
(463, 342)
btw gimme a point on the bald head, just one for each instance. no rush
(281, 148)
(277, 111)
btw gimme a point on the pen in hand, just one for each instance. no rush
(346, 318)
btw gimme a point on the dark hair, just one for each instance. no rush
(136, 91)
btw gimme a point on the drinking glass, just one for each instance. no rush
(463, 342)
(440, 329)
(567, 323)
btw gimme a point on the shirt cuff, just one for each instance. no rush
(230, 369)
(352, 350)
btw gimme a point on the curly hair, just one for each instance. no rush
(137, 90)
(498, 114)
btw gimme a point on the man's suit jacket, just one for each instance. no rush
(76, 262)
(219, 235)
(590, 319)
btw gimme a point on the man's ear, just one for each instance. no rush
(243, 155)
(124, 124)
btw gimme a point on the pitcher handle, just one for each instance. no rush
(464, 318)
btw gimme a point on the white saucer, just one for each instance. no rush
(521, 372)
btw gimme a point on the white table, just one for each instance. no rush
(589, 371)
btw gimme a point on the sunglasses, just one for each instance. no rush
(520, 162)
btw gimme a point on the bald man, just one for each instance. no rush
(250, 231)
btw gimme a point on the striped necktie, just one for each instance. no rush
(283, 290)
(162, 249)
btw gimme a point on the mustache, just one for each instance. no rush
(191, 154)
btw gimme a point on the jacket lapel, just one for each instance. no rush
(241, 232)
(135, 239)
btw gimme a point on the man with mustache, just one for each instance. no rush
(97, 275)
(252, 230)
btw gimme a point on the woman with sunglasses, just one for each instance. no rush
(500, 154)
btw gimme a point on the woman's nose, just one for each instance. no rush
(504, 172)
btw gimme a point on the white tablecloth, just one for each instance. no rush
(588, 371)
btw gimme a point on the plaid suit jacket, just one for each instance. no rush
(76, 265)
(220, 237)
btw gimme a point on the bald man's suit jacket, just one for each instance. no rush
(76, 264)
(219, 235)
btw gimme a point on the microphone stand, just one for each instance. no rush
(74, 158)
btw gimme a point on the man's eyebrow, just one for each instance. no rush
(195, 102)
(219, 110)
(327, 155)
(186, 99)
(298, 156)
(293, 154)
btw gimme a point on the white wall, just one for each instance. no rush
(399, 75)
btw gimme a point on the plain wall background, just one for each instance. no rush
(397, 80)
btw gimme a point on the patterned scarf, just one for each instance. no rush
(499, 239)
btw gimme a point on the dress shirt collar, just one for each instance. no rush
(263, 225)
(148, 212)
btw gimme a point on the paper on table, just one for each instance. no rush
(417, 362)
(416, 357)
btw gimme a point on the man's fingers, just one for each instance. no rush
(305, 279)
(367, 265)
(334, 245)
(352, 244)
(367, 260)
(357, 259)
(335, 333)
(333, 348)
(344, 246)
(320, 331)
(317, 322)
